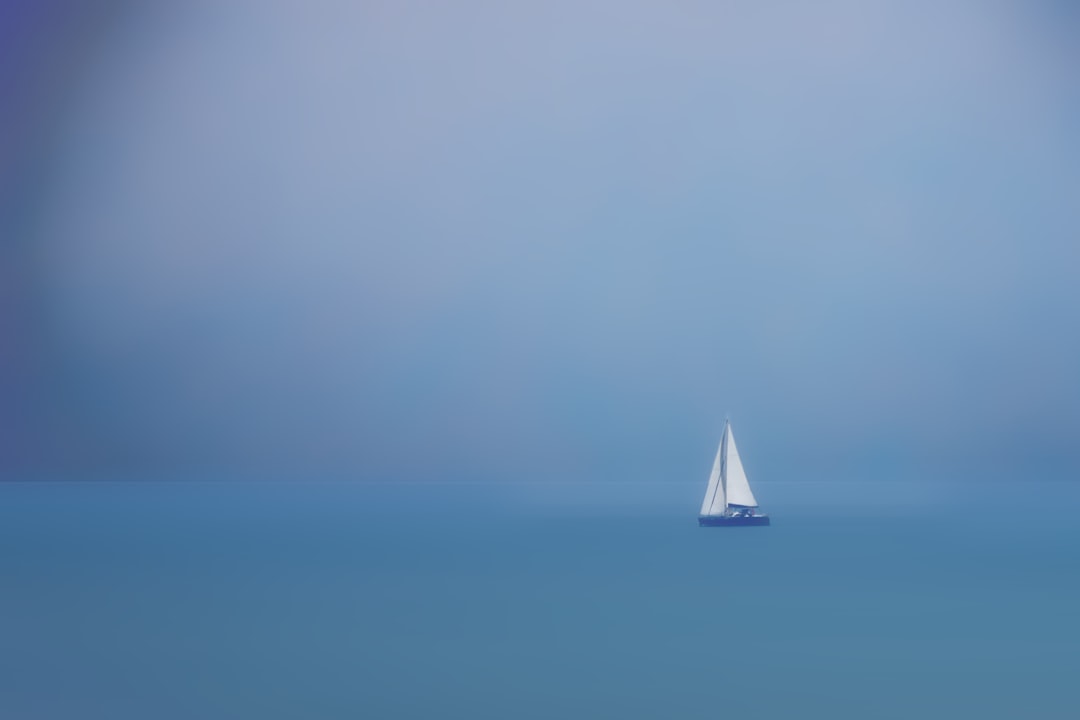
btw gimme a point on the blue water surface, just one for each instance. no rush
(558, 600)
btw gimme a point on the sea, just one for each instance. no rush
(864, 599)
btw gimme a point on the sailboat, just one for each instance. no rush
(728, 499)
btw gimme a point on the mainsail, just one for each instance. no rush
(735, 482)
(727, 483)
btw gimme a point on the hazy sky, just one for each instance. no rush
(543, 240)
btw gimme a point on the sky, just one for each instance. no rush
(539, 241)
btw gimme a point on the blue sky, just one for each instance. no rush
(562, 240)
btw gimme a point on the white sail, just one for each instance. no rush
(735, 482)
(714, 504)
(727, 482)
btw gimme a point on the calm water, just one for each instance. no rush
(872, 600)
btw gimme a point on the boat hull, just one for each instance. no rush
(731, 521)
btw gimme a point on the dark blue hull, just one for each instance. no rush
(731, 521)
